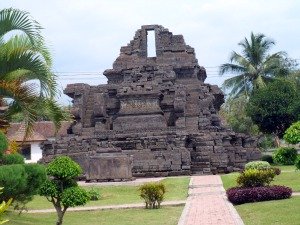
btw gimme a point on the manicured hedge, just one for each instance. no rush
(240, 195)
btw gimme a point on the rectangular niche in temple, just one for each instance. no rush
(151, 48)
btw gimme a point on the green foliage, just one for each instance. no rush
(259, 165)
(49, 189)
(274, 107)
(25, 57)
(285, 156)
(36, 176)
(255, 178)
(14, 158)
(234, 112)
(153, 194)
(74, 196)
(61, 188)
(3, 207)
(94, 195)
(63, 167)
(267, 141)
(297, 162)
(3, 143)
(292, 134)
(21, 182)
(267, 158)
(14, 180)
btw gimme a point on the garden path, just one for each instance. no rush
(207, 203)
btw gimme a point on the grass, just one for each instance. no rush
(280, 212)
(165, 215)
(290, 178)
(116, 195)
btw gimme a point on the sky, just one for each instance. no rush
(85, 36)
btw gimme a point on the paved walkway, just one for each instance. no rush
(107, 207)
(207, 204)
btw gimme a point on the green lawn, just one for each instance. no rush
(290, 179)
(165, 216)
(115, 195)
(280, 212)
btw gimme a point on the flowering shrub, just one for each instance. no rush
(285, 156)
(240, 195)
(259, 165)
(255, 178)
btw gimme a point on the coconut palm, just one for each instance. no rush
(254, 67)
(27, 84)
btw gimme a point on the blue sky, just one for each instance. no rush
(85, 36)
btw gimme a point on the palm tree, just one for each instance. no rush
(254, 67)
(27, 84)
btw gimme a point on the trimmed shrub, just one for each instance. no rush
(94, 195)
(292, 134)
(267, 158)
(238, 195)
(285, 156)
(3, 143)
(153, 194)
(21, 182)
(61, 188)
(255, 178)
(297, 163)
(259, 165)
(74, 196)
(14, 180)
(63, 167)
(14, 158)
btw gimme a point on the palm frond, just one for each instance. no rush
(14, 19)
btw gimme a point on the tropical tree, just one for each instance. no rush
(275, 107)
(26, 80)
(254, 67)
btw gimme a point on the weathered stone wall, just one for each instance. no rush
(156, 111)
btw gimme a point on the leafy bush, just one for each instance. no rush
(14, 158)
(259, 165)
(153, 194)
(255, 178)
(238, 195)
(285, 156)
(297, 162)
(292, 134)
(3, 143)
(74, 196)
(94, 195)
(267, 158)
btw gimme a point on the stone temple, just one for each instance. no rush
(154, 117)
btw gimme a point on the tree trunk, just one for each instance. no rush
(60, 216)
(277, 141)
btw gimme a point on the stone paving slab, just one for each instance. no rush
(207, 204)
